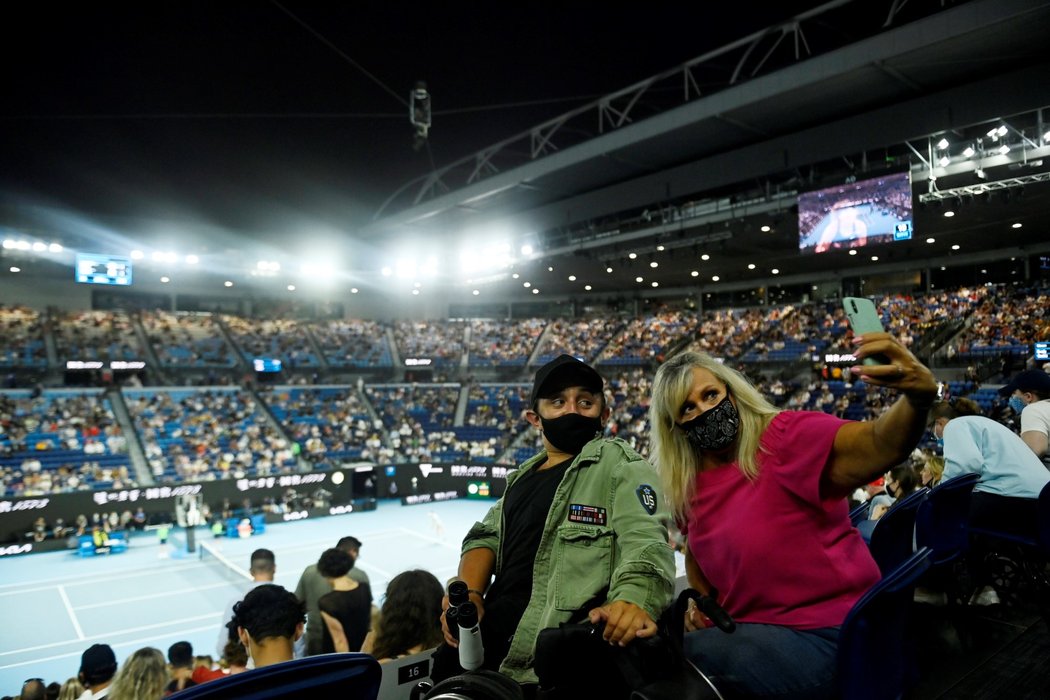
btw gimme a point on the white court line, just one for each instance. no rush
(93, 579)
(150, 596)
(115, 633)
(72, 615)
(132, 643)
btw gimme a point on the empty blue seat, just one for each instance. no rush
(942, 521)
(347, 675)
(893, 538)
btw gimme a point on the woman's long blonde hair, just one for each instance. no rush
(142, 676)
(671, 452)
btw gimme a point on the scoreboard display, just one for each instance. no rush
(93, 268)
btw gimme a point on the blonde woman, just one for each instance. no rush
(760, 495)
(71, 690)
(142, 677)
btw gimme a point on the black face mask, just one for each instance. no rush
(715, 429)
(570, 432)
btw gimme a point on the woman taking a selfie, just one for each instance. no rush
(760, 494)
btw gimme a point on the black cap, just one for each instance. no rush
(1029, 380)
(562, 372)
(98, 662)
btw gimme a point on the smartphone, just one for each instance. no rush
(864, 318)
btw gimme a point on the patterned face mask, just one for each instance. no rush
(1017, 404)
(715, 429)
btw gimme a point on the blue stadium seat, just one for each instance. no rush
(347, 675)
(893, 539)
(942, 521)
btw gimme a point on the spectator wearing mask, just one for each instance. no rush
(1011, 475)
(743, 479)
(1029, 394)
(98, 665)
(583, 504)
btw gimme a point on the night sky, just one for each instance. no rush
(233, 114)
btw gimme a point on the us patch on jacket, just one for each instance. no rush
(647, 497)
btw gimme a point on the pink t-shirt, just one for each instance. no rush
(778, 553)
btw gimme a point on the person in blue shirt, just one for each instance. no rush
(1006, 497)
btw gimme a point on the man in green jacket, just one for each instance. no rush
(576, 535)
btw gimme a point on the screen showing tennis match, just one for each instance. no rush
(865, 212)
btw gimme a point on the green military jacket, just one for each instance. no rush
(604, 531)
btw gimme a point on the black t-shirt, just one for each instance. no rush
(525, 509)
(353, 609)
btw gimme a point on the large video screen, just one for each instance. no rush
(860, 213)
(91, 268)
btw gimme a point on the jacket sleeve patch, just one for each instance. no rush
(647, 497)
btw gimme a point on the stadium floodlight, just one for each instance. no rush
(751, 266)
(515, 275)
(609, 270)
(227, 283)
(526, 284)
(632, 256)
(23, 245)
(980, 173)
(170, 257)
(1001, 131)
(1046, 137)
(656, 284)
(715, 278)
(8, 244)
(137, 255)
(874, 258)
(853, 251)
(572, 278)
(157, 256)
(15, 269)
(639, 280)
(550, 268)
(587, 287)
(535, 291)
(55, 248)
(354, 290)
(949, 214)
(694, 273)
(415, 292)
(660, 248)
(165, 279)
(192, 259)
(1004, 149)
(526, 250)
(766, 228)
(291, 288)
(476, 292)
(931, 240)
(705, 257)
(775, 271)
(968, 151)
(405, 268)
(39, 247)
(942, 144)
(945, 161)
(1016, 225)
(956, 246)
(654, 264)
(386, 271)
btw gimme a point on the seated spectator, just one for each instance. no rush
(1011, 475)
(269, 621)
(900, 481)
(1029, 394)
(142, 677)
(180, 656)
(70, 690)
(236, 657)
(347, 610)
(410, 619)
(932, 471)
(98, 665)
(33, 689)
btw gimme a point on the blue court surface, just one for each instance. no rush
(55, 605)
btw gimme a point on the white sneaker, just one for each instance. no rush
(986, 596)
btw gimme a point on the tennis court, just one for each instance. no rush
(56, 605)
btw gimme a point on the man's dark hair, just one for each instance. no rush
(180, 655)
(335, 563)
(54, 689)
(98, 664)
(269, 611)
(263, 561)
(348, 544)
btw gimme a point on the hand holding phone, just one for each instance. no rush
(864, 318)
